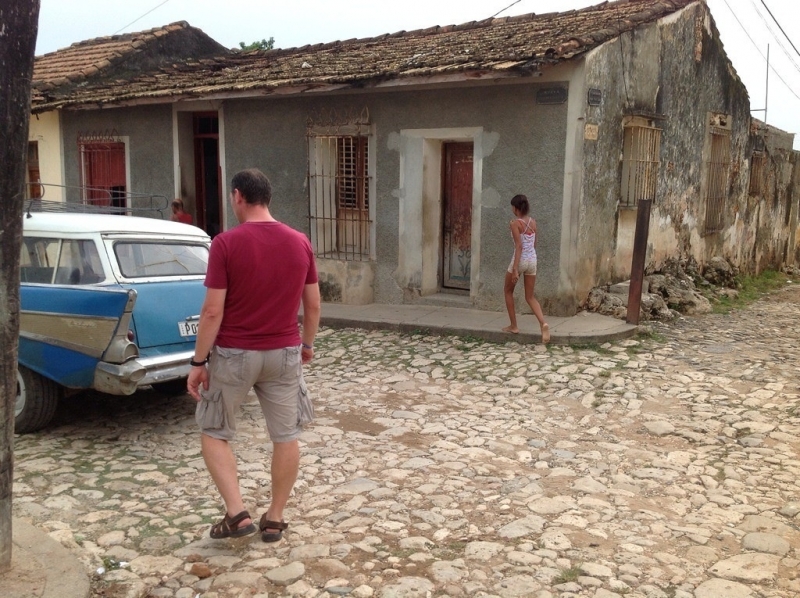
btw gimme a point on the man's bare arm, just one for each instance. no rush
(312, 308)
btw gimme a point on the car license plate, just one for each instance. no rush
(188, 328)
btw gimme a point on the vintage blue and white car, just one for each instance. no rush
(108, 302)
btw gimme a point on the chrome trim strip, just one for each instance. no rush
(163, 368)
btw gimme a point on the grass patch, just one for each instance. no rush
(591, 347)
(650, 334)
(751, 288)
(568, 575)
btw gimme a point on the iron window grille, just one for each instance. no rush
(641, 147)
(103, 170)
(758, 173)
(718, 169)
(340, 192)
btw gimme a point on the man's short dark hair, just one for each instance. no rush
(253, 185)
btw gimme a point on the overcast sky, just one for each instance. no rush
(298, 22)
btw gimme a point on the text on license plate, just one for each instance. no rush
(188, 328)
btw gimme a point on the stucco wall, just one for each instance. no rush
(523, 153)
(675, 70)
(147, 131)
(766, 232)
(45, 129)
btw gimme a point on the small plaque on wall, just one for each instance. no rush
(590, 132)
(594, 97)
(551, 95)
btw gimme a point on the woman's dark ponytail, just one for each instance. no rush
(521, 203)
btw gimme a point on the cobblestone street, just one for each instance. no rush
(664, 466)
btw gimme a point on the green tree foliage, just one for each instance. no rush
(264, 44)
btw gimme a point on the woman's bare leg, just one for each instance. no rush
(508, 290)
(530, 284)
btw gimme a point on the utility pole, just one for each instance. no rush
(766, 92)
(19, 23)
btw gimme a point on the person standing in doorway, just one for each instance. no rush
(248, 338)
(523, 231)
(179, 214)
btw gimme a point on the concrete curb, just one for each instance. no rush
(41, 567)
(568, 335)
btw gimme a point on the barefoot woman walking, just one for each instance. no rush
(523, 231)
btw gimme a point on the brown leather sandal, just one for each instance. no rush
(266, 524)
(227, 527)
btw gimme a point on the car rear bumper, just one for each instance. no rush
(125, 378)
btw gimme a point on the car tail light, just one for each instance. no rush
(131, 336)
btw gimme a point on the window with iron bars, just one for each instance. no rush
(339, 196)
(758, 173)
(717, 170)
(640, 160)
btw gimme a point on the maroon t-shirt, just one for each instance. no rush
(264, 266)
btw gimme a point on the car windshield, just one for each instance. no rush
(143, 259)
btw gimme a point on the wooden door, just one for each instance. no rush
(457, 217)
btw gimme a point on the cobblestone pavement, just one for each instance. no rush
(664, 466)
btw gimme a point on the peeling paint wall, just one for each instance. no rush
(676, 73)
(350, 283)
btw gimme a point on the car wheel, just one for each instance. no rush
(172, 387)
(37, 399)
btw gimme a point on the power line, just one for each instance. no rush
(777, 74)
(143, 16)
(505, 9)
(779, 26)
(775, 37)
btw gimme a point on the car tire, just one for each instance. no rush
(37, 399)
(172, 387)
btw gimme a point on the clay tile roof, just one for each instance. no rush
(132, 52)
(516, 45)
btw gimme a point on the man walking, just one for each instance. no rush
(248, 338)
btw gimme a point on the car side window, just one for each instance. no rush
(38, 259)
(79, 263)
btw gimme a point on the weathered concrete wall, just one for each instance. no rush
(766, 230)
(351, 283)
(147, 131)
(626, 74)
(523, 153)
(676, 71)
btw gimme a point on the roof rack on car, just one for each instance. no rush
(96, 201)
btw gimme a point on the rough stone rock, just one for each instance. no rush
(752, 567)
(719, 588)
(408, 587)
(155, 565)
(719, 272)
(770, 543)
(286, 575)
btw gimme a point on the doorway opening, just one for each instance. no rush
(208, 178)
